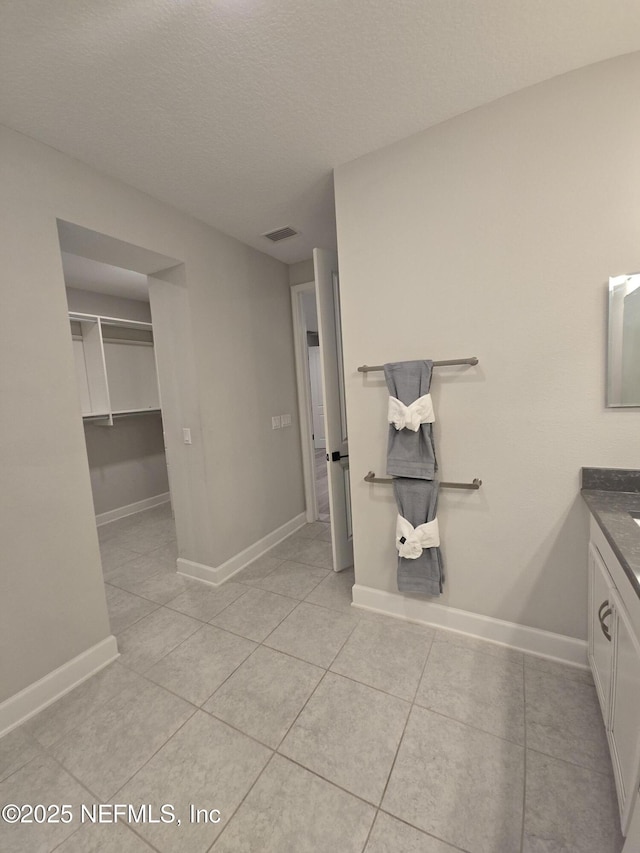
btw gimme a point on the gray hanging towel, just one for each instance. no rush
(417, 501)
(410, 453)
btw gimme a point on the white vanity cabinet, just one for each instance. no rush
(624, 725)
(614, 656)
(600, 624)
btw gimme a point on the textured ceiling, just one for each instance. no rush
(236, 111)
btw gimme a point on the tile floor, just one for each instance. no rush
(311, 726)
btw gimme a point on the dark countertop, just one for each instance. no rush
(611, 509)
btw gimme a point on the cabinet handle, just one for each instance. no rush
(605, 615)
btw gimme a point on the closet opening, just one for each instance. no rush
(121, 397)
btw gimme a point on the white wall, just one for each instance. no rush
(493, 235)
(301, 273)
(52, 605)
(126, 461)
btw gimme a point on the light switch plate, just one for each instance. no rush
(285, 420)
(275, 422)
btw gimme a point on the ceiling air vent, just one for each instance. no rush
(280, 234)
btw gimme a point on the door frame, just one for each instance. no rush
(304, 396)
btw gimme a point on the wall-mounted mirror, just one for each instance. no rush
(623, 369)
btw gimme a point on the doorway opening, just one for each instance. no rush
(320, 375)
(126, 396)
(316, 401)
(311, 401)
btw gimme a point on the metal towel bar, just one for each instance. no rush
(366, 368)
(371, 478)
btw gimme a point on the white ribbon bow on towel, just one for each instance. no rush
(419, 412)
(410, 540)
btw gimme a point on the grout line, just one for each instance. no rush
(235, 578)
(424, 667)
(236, 634)
(442, 635)
(23, 766)
(373, 823)
(319, 775)
(205, 711)
(468, 725)
(197, 631)
(243, 637)
(309, 697)
(354, 680)
(119, 565)
(288, 595)
(607, 775)
(423, 831)
(276, 651)
(300, 560)
(159, 573)
(135, 831)
(254, 585)
(153, 683)
(200, 618)
(32, 742)
(406, 723)
(241, 803)
(135, 621)
(199, 627)
(74, 777)
(242, 732)
(50, 754)
(222, 683)
(151, 757)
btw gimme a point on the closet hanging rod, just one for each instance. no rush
(371, 478)
(367, 368)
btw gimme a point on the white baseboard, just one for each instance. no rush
(219, 574)
(131, 509)
(531, 640)
(28, 702)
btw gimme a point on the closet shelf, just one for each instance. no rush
(121, 414)
(110, 321)
(125, 412)
(115, 367)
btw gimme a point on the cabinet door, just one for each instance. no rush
(600, 629)
(624, 733)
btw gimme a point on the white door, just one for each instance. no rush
(317, 401)
(325, 264)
